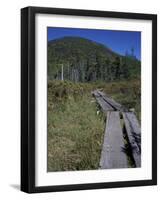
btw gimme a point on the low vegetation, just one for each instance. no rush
(75, 125)
(127, 93)
(75, 130)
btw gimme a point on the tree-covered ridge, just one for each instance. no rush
(82, 60)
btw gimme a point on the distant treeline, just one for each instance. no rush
(85, 61)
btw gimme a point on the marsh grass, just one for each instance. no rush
(127, 93)
(75, 134)
(75, 128)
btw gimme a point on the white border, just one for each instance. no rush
(94, 176)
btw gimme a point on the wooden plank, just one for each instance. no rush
(134, 135)
(113, 103)
(113, 154)
(103, 104)
(135, 128)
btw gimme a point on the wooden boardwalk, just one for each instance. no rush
(111, 102)
(134, 135)
(113, 154)
(114, 151)
(103, 104)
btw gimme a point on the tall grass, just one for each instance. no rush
(75, 129)
(127, 93)
(75, 132)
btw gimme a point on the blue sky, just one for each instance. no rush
(118, 41)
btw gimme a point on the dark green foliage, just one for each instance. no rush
(87, 61)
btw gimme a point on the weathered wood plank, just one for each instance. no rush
(134, 135)
(111, 102)
(113, 154)
(135, 128)
(103, 104)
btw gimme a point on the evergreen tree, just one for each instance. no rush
(117, 69)
(125, 69)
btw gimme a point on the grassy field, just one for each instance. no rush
(75, 131)
(75, 128)
(127, 93)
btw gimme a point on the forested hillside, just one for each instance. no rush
(82, 60)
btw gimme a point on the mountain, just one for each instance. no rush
(83, 60)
